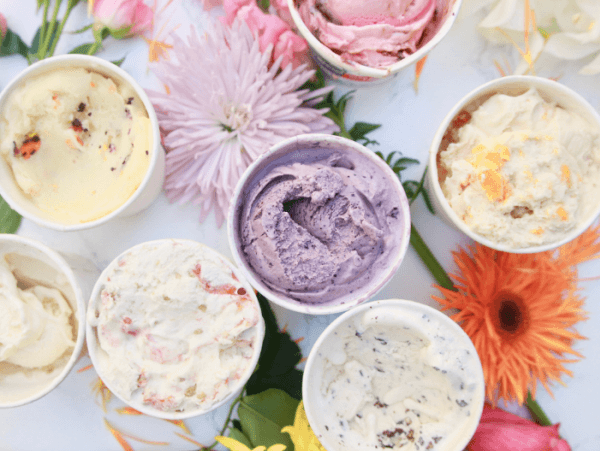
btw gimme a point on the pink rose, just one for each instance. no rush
(207, 5)
(269, 29)
(499, 430)
(3, 26)
(121, 14)
(281, 7)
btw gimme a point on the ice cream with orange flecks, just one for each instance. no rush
(78, 143)
(523, 171)
(176, 329)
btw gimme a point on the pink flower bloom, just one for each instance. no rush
(226, 106)
(120, 14)
(499, 430)
(270, 30)
(281, 7)
(3, 26)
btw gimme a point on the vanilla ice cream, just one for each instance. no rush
(523, 171)
(373, 33)
(38, 327)
(397, 378)
(174, 328)
(78, 143)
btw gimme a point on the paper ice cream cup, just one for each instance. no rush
(515, 85)
(174, 330)
(144, 194)
(358, 75)
(393, 219)
(34, 264)
(373, 341)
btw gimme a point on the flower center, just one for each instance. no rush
(238, 117)
(510, 314)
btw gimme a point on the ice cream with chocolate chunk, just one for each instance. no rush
(521, 171)
(317, 231)
(78, 143)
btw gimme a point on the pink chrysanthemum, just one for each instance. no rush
(224, 108)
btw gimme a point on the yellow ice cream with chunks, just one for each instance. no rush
(79, 143)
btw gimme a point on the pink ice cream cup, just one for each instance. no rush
(319, 224)
(362, 49)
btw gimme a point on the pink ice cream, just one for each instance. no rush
(374, 33)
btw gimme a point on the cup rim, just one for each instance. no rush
(282, 147)
(313, 419)
(106, 68)
(92, 340)
(472, 96)
(365, 71)
(67, 271)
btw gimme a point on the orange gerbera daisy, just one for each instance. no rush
(519, 310)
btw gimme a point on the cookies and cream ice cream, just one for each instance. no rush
(373, 33)
(174, 329)
(78, 143)
(321, 230)
(38, 327)
(522, 171)
(396, 379)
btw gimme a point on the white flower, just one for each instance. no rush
(566, 29)
(224, 108)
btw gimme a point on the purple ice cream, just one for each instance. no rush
(318, 229)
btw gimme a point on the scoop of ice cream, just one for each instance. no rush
(35, 327)
(176, 328)
(315, 231)
(372, 33)
(524, 171)
(78, 143)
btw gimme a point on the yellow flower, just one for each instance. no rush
(234, 445)
(301, 434)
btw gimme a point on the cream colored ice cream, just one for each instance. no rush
(78, 143)
(398, 380)
(523, 172)
(37, 326)
(176, 330)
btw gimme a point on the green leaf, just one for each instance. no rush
(262, 416)
(278, 359)
(9, 219)
(264, 5)
(119, 62)
(119, 33)
(360, 129)
(83, 49)
(238, 435)
(35, 44)
(12, 44)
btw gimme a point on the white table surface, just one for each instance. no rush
(71, 418)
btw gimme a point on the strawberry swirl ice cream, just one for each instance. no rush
(373, 33)
(175, 329)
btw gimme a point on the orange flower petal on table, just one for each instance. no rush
(191, 440)
(181, 424)
(519, 310)
(418, 70)
(120, 436)
(99, 389)
(128, 411)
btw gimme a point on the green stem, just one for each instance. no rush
(235, 402)
(45, 40)
(429, 259)
(60, 28)
(44, 29)
(536, 411)
(94, 48)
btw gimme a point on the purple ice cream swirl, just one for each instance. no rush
(315, 232)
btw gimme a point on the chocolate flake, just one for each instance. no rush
(81, 107)
(461, 403)
(129, 100)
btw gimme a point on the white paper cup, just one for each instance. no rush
(152, 182)
(359, 75)
(36, 264)
(551, 91)
(459, 359)
(100, 357)
(307, 149)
